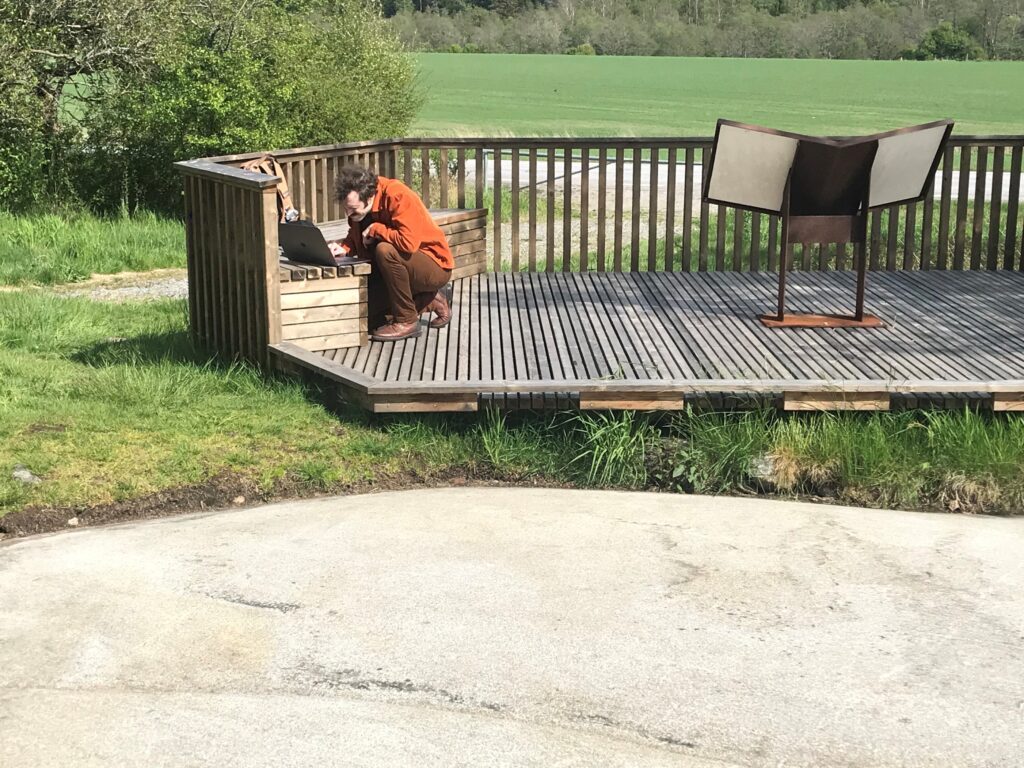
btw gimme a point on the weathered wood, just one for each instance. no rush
(532, 215)
(838, 401)
(337, 283)
(322, 298)
(323, 328)
(323, 313)
(602, 207)
(333, 341)
(584, 209)
(496, 196)
(634, 226)
(566, 265)
(514, 255)
(656, 402)
(652, 211)
(670, 211)
(943, 257)
(1012, 208)
(1008, 401)
(962, 201)
(995, 210)
(620, 164)
(981, 175)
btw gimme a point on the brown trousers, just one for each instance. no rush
(402, 284)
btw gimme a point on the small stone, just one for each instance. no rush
(73, 522)
(238, 500)
(22, 473)
(762, 469)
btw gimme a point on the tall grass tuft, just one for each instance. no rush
(614, 447)
(955, 460)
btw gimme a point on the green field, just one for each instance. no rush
(532, 95)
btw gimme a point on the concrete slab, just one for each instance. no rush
(517, 627)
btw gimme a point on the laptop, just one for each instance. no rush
(304, 243)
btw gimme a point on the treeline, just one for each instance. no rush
(830, 29)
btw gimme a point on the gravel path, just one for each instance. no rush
(131, 286)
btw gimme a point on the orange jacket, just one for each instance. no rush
(400, 218)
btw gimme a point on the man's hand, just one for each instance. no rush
(336, 250)
(369, 240)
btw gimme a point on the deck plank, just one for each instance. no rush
(580, 329)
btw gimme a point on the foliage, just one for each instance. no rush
(948, 42)
(46, 46)
(105, 95)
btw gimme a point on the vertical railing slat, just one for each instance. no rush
(927, 219)
(893, 230)
(425, 176)
(585, 209)
(460, 158)
(549, 260)
(602, 207)
(514, 224)
(995, 213)
(533, 209)
(636, 158)
(442, 177)
(721, 222)
(688, 211)
(191, 272)
(755, 242)
(1012, 207)
(978, 223)
(652, 210)
(705, 214)
(496, 197)
(620, 163)
(961, 207)
(670, 210)
(566, 263)
(945, 198)
(909, 234)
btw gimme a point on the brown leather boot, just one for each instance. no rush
(443, 312)
(396, 331)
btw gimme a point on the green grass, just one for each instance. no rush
(111, 402)
(533, 95)
(107, 402)
(46, 248)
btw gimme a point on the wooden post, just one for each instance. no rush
(784, 256)
(271, 283)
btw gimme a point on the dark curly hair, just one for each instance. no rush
(355, 178)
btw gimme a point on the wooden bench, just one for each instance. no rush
(327, 307)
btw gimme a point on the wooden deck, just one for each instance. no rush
(654, 339)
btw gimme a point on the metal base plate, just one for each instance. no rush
(820, 321)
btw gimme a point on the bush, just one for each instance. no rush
(583, 49)
(948, 42)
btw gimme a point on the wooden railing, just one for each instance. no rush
(635, 204)
(573, 205)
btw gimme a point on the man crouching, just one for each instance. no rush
(389, 224)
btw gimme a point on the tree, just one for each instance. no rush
(57, 57)
(947, 42)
